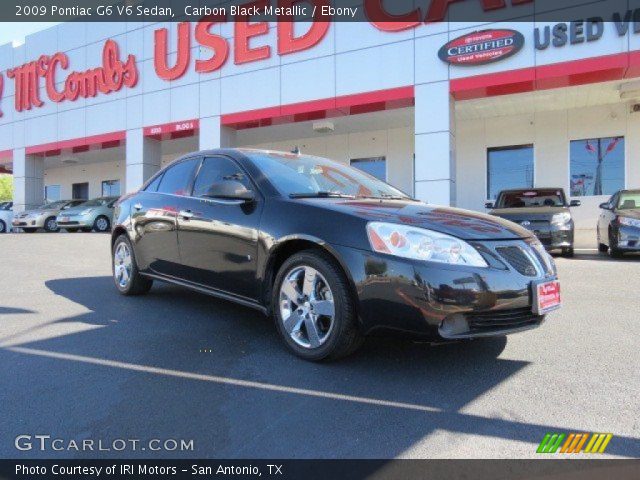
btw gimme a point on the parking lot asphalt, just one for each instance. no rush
(79, 361)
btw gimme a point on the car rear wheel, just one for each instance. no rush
(3, 227)
(314, 308)
(50, 225)
(126, 276)
(101, 224)
(568, 252)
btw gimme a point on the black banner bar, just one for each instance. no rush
(381, 11)
(564, 469)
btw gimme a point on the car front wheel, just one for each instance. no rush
(51, 225)
(126, 276)
(314, 308)
(3, 227)
(101, 224)
(614, 252)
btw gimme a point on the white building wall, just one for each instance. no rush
(550, 133)
(94, 173)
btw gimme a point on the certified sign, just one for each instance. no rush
(479, 48)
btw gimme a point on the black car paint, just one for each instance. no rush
(538, 221)
(610, 230)
(232, 250)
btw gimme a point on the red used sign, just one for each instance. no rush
(547, 296)
(482, 47)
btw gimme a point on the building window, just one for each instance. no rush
(509, 168)
(374, 166)
(597, 166)
(111, 188)
(51, 193)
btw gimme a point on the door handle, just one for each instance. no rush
(186, 214)
(137, 206)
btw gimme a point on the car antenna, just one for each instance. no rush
(296, 150)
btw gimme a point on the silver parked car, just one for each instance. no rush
(43, 217)
(95, 214)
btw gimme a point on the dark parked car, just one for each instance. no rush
(330, 251)
(544, 211)
(619, 223)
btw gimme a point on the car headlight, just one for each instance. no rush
(629, 222)
(561, 218)
(422, 244)
(86, 211)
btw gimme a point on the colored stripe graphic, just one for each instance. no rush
(598, 443)
(550, 443)
(574, 443)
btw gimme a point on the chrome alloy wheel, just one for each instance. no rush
(52, 224)
(102, 224)
(307, 310)
(122, 265)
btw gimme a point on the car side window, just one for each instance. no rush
(153, 186)
(177, 179)
(216, 170)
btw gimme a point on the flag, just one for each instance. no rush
(590, 148)
(613, 144)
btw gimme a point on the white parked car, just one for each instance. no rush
(6, 217)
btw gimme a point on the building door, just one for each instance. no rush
(80, 191)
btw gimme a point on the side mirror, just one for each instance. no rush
(230, 190)
(488, 205)
(575, 203)
(604, 206)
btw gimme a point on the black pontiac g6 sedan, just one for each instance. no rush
(331, 252)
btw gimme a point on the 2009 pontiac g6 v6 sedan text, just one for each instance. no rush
(331, 252)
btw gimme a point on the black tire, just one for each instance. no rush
(613, 251)
(602, 248)
(568, 252)
(3, 227)
(97, 224)
(137, 284)
(51, 227)
(344, 337)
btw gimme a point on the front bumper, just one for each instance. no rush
(554, 238)
(445, 301)
(73, 221)
(628, 238)
(29, 222)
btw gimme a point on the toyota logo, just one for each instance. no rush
(526, 223)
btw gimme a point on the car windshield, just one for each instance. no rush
(629, 201)
(308, 176)
(96, 202)
(531, 198)
(54, 205)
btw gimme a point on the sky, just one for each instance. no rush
(16, 31)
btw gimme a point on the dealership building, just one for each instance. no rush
(449, 112)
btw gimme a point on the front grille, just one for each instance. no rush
(501, 319)
(519, 260)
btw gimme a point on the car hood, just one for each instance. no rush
(459, 223)
(38, 212)
(531, 213)
(629, 213)
(73, 211)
